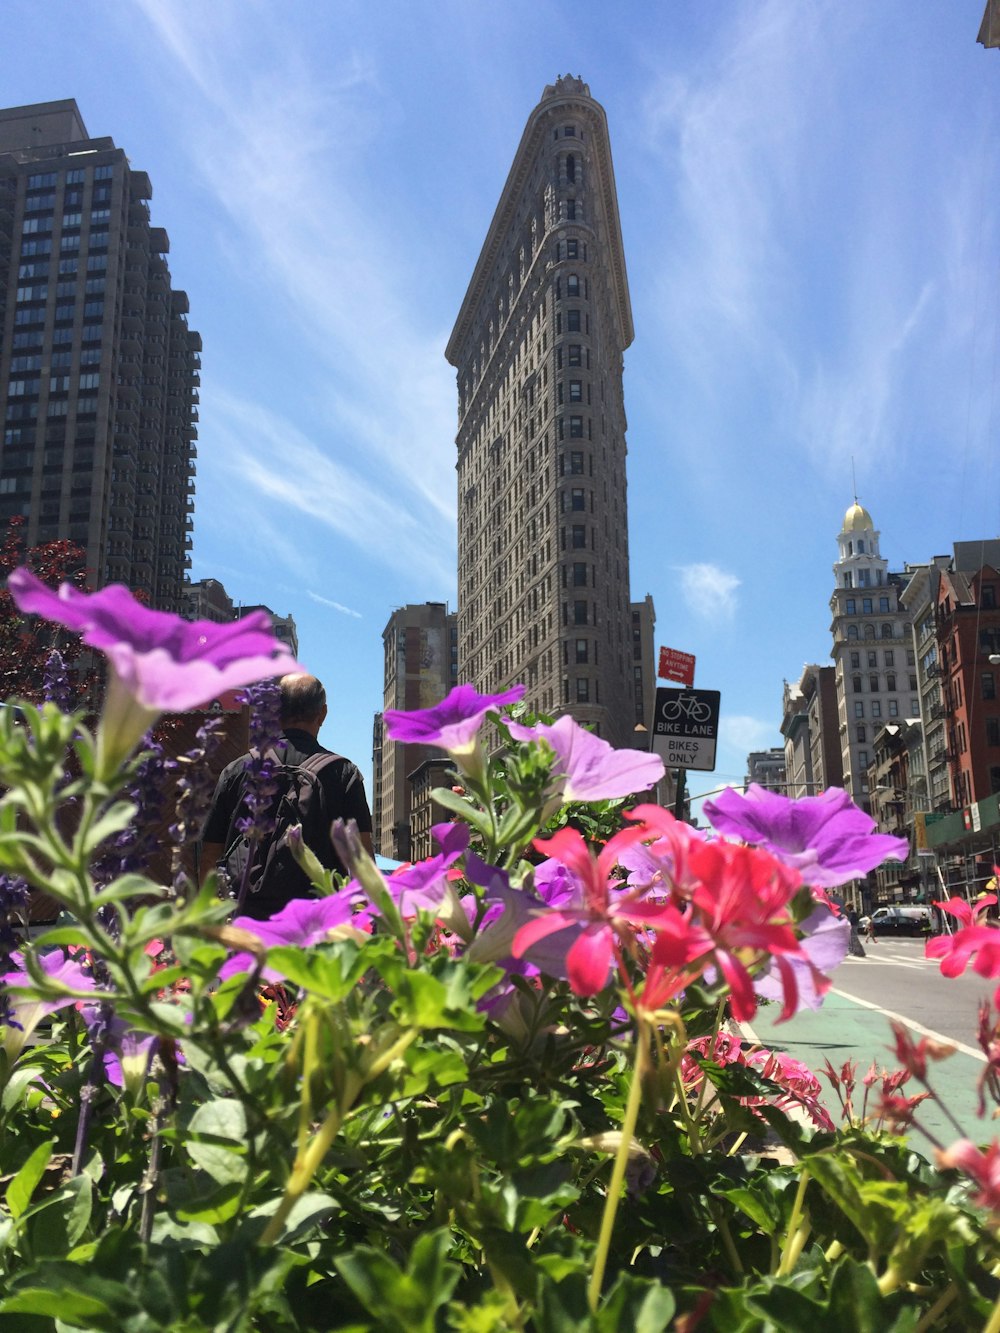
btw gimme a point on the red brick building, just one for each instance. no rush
(968, 623)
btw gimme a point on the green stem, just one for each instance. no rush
(929, 1320)
(787, 1253)
(613, 1195)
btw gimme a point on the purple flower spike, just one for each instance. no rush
(166, 664)
(826, 837)
(589, 768)
(453, 724)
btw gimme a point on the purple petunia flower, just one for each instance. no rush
(826, 939)
(826, 837)
(27, 1011)
(588, 768)
(453, 724)
(159, 663)
(303, 922)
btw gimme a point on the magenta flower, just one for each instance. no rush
(587, 768)
(158, 662)
(826, 837)
(302, 923)
(453, 724)
(981, 1165)
(975, 942)
(28, 1010)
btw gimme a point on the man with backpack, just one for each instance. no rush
(308, 786)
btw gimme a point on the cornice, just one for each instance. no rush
(550, 108)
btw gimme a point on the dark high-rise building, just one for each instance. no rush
(98, 368)
(543, 564)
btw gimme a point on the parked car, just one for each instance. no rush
(902, 921)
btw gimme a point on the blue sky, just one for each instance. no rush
(810, 203)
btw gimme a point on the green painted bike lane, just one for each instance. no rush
(845, 1028)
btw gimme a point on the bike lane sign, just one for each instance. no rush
(686, 727)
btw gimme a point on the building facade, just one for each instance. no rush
(813, 759)
(543, 564)
(421, 667)
(98, 368)
(872, 648)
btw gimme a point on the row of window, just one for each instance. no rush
(45, 179)
(851, 605)
(39, 291)
(857, 683)
(869, 632)
(893, 708)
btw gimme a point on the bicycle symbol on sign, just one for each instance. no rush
(687, 706)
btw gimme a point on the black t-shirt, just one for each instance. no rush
(343, 793)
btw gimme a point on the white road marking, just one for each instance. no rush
(912, 1024)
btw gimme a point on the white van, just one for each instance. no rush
(902, 921)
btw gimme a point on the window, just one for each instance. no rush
(889, 658)
(581, 651)
(576, 391)
(876, 708)
(863, 758)
(573, 355)
(855, 661)
(104, 173)
(578, 534)
(570, 210)
(890, 682)
(859, 709)
(914, 708)
(43, 181)
(872, 658)
(582, 690)
(579, 574)
(76, 177)
(576, 429)
(869, 631)
(989, 685)
(67, 267)
(850, 605)
(864, 576)
(90, 381)
(572, 249)
(576, 462)
(59, 384)
(866, 605)
(579, 613)
(893, 708)
(572, 322)
(577, 500)
(886, 631)
(569, 132)
(856, 684)
(883, 603)
(989, 597)
(860, 734)
(572, 285)
(993, 731)
(873, 684)
(852, 631)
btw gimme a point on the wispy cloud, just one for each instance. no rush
(286, 155)
(708, 591)
(334, 606)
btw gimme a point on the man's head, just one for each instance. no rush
(303, 702)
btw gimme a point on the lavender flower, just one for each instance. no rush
(55, 684)
(131, 850)
(826, 837)
(303, 922)
(260, 784)
(194, 791)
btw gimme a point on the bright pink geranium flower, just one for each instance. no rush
(598, 914)
(453, 724)
(734, 903)
(982, 1166)
(587, 768)
(975, 941)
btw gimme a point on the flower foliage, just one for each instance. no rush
(417, 1101)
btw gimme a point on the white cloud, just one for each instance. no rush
(739, 735)
(708, 591)
(334, 606)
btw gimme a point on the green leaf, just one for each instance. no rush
(23, 1186)
(332, 972)
(636, 1304)
(461, 806)
(130, 886)
(61, 1219)
(21, 1078)
(216, 1140)
(75, 1307)
(117, 817)
(220, 1206)
(402, 1301)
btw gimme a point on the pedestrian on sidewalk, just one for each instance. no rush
(868, 927)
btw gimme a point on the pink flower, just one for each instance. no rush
(974, 941)
(587, 768)
(982, 1166)
(597, 914)
(913, 1055)
(302, 923)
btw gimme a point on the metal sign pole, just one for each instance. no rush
(679, 797)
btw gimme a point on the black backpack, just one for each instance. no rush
(274, 877)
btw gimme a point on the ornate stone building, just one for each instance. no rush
(98, 368)
(543, 564)
(872, 648)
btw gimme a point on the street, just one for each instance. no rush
(894, 982)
